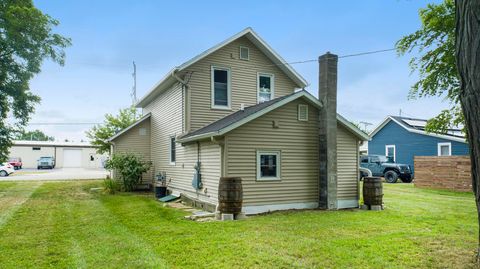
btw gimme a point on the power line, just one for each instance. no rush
(64, 123)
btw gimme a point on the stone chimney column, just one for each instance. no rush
(327, 94)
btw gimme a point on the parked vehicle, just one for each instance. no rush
(6, 169)
(46, 162)
(383, 166)
(16, 162)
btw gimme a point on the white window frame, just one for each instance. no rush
(279, 162)
(439, 148)
(170, 149)
(298, 112)
(394, 151)
(272, 85)
(229, 87)
(240, 53)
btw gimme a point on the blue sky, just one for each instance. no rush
(108, 35)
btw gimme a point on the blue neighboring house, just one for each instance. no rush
(403, 138)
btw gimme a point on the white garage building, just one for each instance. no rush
(66, 154)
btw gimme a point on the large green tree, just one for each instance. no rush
(448, 45)
(433, 47)
(35, 135)
(467, 47)
(99, 134)
(26, 40)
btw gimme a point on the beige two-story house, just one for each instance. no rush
(239, 110)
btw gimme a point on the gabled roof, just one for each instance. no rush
(241, 117)
(169, 79)
(417, 126)
(146, 116)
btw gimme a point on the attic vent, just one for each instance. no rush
(244, 53)
(302, 112)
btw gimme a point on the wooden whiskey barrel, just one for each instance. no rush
(230, 195)
(372, 191)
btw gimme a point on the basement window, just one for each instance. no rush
(445, 149)
(268, 165)
(35, 148)
(244, 53)
(302, 112)
(265, 87)
(173, 150)
(221, 89)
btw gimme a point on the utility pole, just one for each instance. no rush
(400, 112)
(134, 88)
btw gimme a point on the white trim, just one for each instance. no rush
(253, 37)
(272, 85)
(240, 53)
(389, 118)
(314, 101)
(229, 87)
(394, 151)
(439, 148)
(130, 127)
(277, 153)
(170, 149)
(306, 112)
(257, 209)
(347, 204)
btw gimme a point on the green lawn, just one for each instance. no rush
(63, 225)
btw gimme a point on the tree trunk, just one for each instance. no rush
(467, 48)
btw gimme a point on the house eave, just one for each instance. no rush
(146, 116)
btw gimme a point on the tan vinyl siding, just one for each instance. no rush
(243, 81)
(298, 143)
(347, 165)
(166, 121)
(133, 142)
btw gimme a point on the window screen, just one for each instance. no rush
(268, 165)
(265, 88)
(172, 150)
(220, 87)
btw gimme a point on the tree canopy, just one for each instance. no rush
(26, 40)
(35, 135)
(99, 134)
(434, 48)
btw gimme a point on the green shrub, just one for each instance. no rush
(110, 186)
(129, 168)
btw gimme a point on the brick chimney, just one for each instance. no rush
(327, 94)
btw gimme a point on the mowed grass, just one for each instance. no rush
(63, 225)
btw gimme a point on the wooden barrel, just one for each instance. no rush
(230, 195)
(372, 191)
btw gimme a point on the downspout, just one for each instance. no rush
(185, 109)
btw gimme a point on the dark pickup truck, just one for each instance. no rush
(383, 166)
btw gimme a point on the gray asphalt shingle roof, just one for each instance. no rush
(235, 117)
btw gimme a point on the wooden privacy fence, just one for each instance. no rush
(443, 172)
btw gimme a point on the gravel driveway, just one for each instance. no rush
(56, 174)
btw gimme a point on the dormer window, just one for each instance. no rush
(265, 87)
(244, 53)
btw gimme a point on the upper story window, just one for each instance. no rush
(445, 149)
(265, 87)
(221, 91)
(244, 53)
